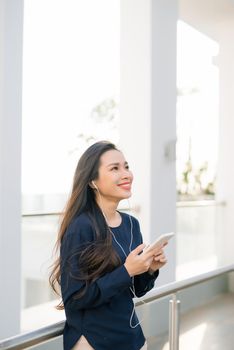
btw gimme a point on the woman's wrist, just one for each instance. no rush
(128, 271)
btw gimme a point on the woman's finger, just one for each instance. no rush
(159, 253)
(159, 257)
(138, 249)
(148, 254)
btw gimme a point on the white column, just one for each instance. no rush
(135, 99)
(11, 18)
(163, 129)
(148, 114)
(225, 183)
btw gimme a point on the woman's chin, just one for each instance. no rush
(127, 195)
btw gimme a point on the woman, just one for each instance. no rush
(101, 266)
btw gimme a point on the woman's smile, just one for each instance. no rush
(125, 185)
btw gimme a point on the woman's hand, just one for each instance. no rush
(137, 263)
(159, 260)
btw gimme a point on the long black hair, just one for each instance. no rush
(99, 256)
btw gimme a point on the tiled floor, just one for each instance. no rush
(210, 327)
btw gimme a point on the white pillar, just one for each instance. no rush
(225, 184)
(148, 114)
(11, 18)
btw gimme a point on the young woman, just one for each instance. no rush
(102, 265)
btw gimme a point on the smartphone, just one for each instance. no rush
(160, 241)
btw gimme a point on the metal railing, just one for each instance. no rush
(137, 207)
(200, 203)
(38, 336)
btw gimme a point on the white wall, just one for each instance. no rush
(11, 16)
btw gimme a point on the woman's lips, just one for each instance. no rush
(126, 186)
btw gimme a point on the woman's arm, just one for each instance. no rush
(99, 292)
(144, 283)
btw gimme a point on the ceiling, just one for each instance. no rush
(207, 15)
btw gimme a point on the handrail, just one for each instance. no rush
(136, 208)
(174, 287)
(58, 213)
(35, 337)
(200, 203)
(25, 340)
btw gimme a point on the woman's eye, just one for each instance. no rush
(114, 168)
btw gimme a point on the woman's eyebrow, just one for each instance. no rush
(111, 164)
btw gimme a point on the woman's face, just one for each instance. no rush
(114, 177)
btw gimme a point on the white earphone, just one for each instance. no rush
(94, 185)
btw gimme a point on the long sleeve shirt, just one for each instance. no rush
(103, 313)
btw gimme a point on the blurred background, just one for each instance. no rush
(157, 80)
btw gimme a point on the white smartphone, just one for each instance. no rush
(160, 241)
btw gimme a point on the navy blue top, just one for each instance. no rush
(103, 313)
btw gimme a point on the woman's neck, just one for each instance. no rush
(110, 212)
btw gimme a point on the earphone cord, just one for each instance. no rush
(132, 289)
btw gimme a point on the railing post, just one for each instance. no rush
(174, 323)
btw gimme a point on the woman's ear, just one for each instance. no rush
(93, 185)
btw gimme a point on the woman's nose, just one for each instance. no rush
(127, 174)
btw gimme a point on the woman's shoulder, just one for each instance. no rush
(81, 219)
(81, 227)
(129, 218)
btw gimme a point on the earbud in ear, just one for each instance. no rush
(94, 185)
